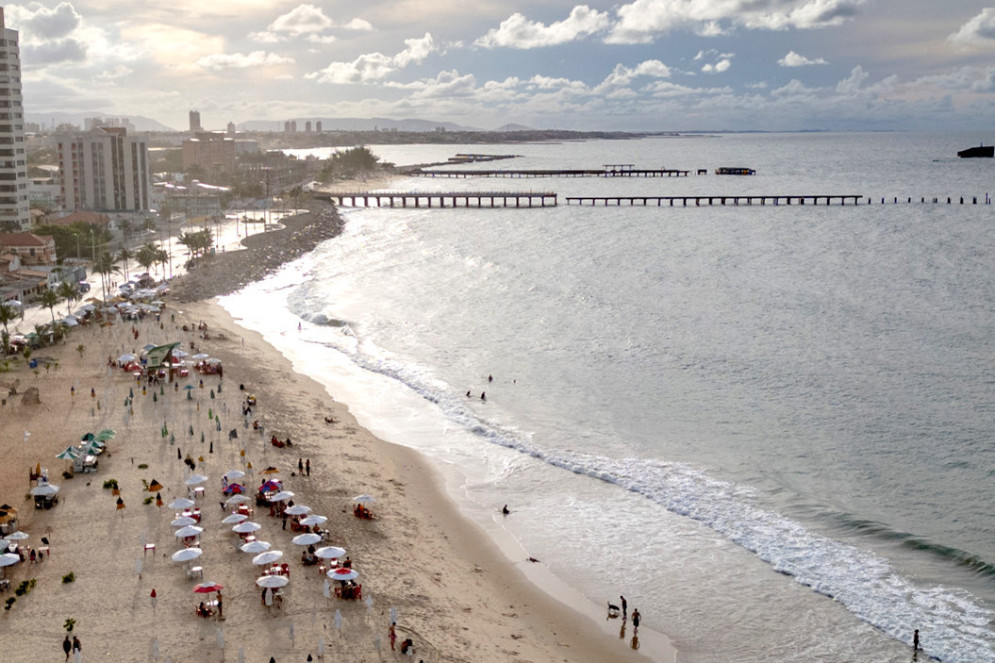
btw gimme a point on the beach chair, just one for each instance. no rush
(148, 547)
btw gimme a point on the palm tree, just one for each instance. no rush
(69, 292)
(104, 265)
(49, 298)
(7, 314)
(163, 257)
(146, 255)
(123, 256)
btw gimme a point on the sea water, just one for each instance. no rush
(769, 427)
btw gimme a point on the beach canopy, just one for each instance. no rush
(155, 486)
(343, 574)
(181, 503)
(297, 510)
(207, 587)
(237, 499)
(69, 453)
(313, 520)
(267, 557)
(17, 536)
(187, 554)
(188, 530)
(183, 521)
(9, 559)
(255, 547)
(234, 475)
(282, 496)
(270, 486)
(246, 527)
(233, 489)
(194, 479)
(234, 519)
(364, 499)
(44, 490)
(272, 581)
(306, 539)
(330, 552)
(106, 434)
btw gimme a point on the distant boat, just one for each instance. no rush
(986, 151)
(735, 171)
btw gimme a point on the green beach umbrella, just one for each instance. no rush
(106, 434)
(70, 453)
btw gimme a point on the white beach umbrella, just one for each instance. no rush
(255, 546)
(267, 557)
(282, 496)
(200, 355)
(306, 539)
(343, 574)
(9, 559)
(237, 499)
(297, 510)
(189, 530)
(234, 519)
(187, 554)
(17, 536)
(272, 581)
(364, 499)
(330, 552)
(246, 527)
(183, 521)
(234, 475)
(181, 503)
(314, 520)
(44, 489)
(194, 479)
(125, 358)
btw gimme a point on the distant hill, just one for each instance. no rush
(49, 120)
(356, 124)
(513, 127)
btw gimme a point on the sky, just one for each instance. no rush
(634, 65)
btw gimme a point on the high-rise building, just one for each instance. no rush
(15, 213)
(104, 170)
(213, 154)
(195, 122)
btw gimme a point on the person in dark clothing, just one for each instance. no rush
(77, 647)
(67, 646)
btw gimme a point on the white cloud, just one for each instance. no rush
(375, 66)
(979, 30)
(718, 67)
(793, 59)
(306, 21)
(242, 60)
(643, 20)
(851, 84)
(518, 32)
(623, 75)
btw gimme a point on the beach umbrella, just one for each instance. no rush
(187, 554)
(234, 519)
(181, 503)
(272, 581)
(282, 496)
(126, 357)
(237, 499)
(45, 490)
(267, 557)
(9, 559)
(194, 479)
(269, 485)
(70, 453)
(313, 520)
(234, 475)
(364, 499)
(200, 355)
(17, 536)
(106, 434)
(87, 436)
(330, 552)
(246, 527)
(188, 530)
(183, 521)
(207, 587)
(297, 510)
(343, 574)
(255, 546)
(93, 447)
(306, 539)
(155, 486)
(233, 488)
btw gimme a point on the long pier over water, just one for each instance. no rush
(443, 199)
(697, 201)
(557, 172)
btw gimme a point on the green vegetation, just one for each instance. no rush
(110, 484)
(66, 579)
(350, 163)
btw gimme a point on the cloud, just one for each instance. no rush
(642, 21)
(309, 22)
(718, 67)
(375, 66)
(47, 35)
(219, 61)
(518, 32)
(851, 84)
(623, 75)
(979, 30)
(793, 59)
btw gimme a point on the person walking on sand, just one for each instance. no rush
(220, 605)
(77, 647)
(300, 466)
(625, 608)
(392, 634)
(307, 467)
(67, 646)
(915, 641)
(635, 621)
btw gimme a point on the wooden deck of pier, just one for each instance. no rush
(697, 201)
(522, 199)
(556, 172)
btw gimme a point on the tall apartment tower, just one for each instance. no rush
(104, 170)
(195, 122)
(15, 213)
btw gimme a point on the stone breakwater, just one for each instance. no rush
(225, 273)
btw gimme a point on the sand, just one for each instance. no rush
(454, 594)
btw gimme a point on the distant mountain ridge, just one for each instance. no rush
(356, 124)
(53, 119)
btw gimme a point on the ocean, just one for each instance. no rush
(769, 427)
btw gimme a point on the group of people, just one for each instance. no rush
(71, 646)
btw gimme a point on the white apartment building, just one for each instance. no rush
(104, 170)
(15, 213)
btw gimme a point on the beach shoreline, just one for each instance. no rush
(457, 596)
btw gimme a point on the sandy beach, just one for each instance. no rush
(454, 594)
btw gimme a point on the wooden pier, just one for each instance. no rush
(481, 199)
(698, 201)
(557, 172)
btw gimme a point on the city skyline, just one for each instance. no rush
(640, 65)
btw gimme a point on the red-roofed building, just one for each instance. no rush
(30, 248)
